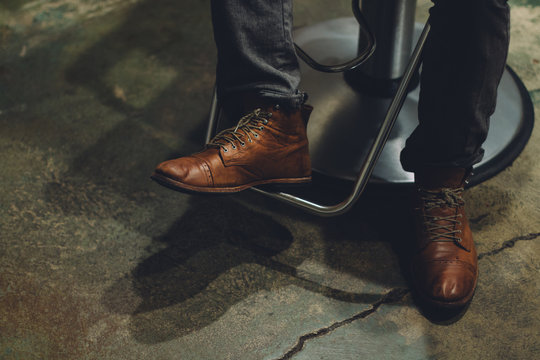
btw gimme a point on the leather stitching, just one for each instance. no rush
(455, 262)
(207, 171)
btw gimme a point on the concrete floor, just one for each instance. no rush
(98, 262)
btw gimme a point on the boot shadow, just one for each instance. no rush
(216, 255)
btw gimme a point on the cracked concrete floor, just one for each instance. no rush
(97, 262)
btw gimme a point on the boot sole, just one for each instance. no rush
(179, 186)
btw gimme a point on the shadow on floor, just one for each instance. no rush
(177, 35)
(220, 252)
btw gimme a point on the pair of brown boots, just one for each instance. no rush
(269, 145)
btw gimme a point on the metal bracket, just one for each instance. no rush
(363, 55)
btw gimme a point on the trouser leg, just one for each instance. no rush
(256, 53)
(464, 59)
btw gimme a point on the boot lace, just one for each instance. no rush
(245, 129)
(442, 228)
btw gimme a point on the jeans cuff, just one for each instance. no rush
(292, 100)
(287, 99)
(412, 160)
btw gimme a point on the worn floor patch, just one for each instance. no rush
(99, 262)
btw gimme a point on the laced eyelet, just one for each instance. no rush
(250, 140)
(265, 121)
(225, 150)
(243, 143)
(256, 135)
(261, 128)
(234, 147)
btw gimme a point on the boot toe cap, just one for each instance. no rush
(187, 170)
(451, 287)
(447, 284)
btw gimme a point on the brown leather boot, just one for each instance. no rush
(266, 146)
(445, 265)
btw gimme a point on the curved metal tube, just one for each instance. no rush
(213, 117)
(359, 60)
(374, 151)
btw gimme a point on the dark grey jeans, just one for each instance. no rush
(464, 59)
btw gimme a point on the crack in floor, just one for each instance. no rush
(392, 296)
(509, 244)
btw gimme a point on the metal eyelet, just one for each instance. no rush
(276, 107)
(261, 128)
(265, 121)
(243, 143)
(250, 140)
(256, 135)
(225, 150)
(234, 147)
(269, 115)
